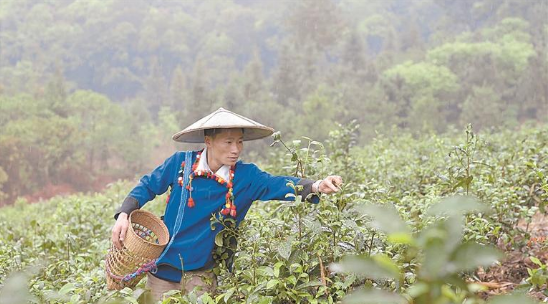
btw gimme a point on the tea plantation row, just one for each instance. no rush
(384, 238)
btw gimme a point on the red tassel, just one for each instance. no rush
(225, 211)
(233, 213)
(191, 202)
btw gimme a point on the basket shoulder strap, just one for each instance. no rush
(182, 203)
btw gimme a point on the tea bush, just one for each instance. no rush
(288, 252)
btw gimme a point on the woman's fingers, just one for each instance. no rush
(328, 186)
(124, 231)
(331, 184)
(116, 236)
(119, 231)
(338, 181)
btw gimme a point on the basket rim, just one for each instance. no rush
(156, 219)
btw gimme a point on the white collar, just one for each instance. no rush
(223, 172)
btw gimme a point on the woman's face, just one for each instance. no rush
(224, 148)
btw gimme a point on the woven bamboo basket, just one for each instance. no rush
(146, 238)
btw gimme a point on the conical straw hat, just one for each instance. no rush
(222, 119)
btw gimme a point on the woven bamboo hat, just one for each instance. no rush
(222, 119)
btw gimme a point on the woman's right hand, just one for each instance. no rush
(119, 230)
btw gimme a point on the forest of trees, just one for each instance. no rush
(90, 88)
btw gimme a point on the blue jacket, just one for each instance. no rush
(195, 239)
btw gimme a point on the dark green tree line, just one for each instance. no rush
(98, 85)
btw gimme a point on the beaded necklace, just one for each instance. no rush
(229, 208)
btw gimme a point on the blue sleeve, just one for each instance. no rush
(157, 182)
(266, 187)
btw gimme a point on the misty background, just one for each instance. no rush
(92, 90)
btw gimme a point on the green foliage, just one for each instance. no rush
(188, 55)
(84, 136)
(440, 254)
(110, 84)
(483, 108)
(537, 276)
(320, 113)
(386, 229)
(420, 90)
(461, 174)
(226, 242)
(421, 78)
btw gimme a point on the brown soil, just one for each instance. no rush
(512, 271)
(51, 190)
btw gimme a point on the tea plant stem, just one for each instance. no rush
(183, 275)
(334, 232)
(334, 244)
(254, 265)
(371, 243)
(322, 275)
(300, 227)
(467, 163)
(288, 149)
(68, 252)
(307, 154)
